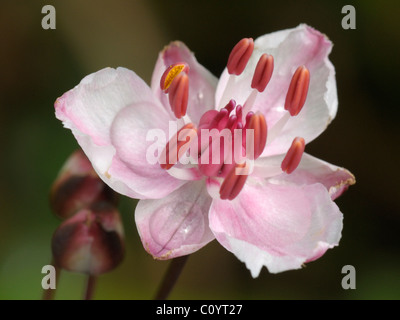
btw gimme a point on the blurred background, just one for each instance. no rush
(38, 65)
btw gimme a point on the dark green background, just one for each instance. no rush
(37, 66)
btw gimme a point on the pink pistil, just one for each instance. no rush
(221, 118)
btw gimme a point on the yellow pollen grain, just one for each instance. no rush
(172, 74)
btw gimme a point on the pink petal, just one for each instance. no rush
(91, 106)
(291, 48)
(131, 164)
(202, 83)
(277, 226)
(313, 170)
(90, 109)
(310, 170)
(176, 225)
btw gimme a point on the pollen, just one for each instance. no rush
(170, 74)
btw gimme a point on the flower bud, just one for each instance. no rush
(78, 186)
(91, 241)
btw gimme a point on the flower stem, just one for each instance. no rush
(171, 276)
(48, 294)
(90, 287)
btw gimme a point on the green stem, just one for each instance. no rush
(171, 276)
(90, 287)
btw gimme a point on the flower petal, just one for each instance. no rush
(176, 225)
(313, 170)
(91, 106)
(140, 132)
(310, 170)
(277, 226)
(90, 109)
(290, 48)
(202, 83)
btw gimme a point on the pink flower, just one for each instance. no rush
(277, 212)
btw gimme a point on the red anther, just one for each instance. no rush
(234, 182)
(179, 94)
(259, 125)
(170, 74)
(177, 146)
(226, 168)
(298, 89)
(263, 72)
(293, 156)
(240, 55)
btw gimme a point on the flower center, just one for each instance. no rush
(225, 141)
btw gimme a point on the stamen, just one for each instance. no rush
(259, 125)
(263, 72)
(293, 156)
(298, 89)
(170, 74)
(277, 128)
(234, 182)
(179, 94)
(240, 55)
(262, 76)
(177, 146)
(249, 103)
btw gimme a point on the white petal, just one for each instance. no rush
(277, 226)
(177, 224)
(90, 109)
